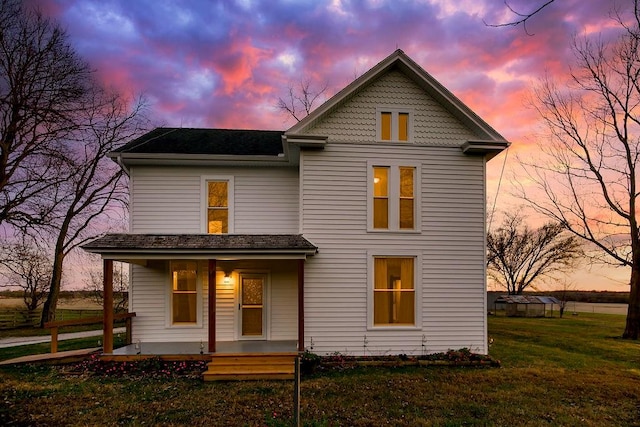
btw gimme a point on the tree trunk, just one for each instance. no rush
(50, 305)
(632, 328)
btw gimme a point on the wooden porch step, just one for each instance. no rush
(230, 367)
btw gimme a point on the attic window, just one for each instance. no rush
(393, 124)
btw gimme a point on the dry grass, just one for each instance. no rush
(63, 303)
(565, 372)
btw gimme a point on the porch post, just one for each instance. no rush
(212, 306)
(301, 305)
(107, 332)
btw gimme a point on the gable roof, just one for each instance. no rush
(234, 142)
(400, 61)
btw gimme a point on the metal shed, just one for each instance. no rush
(526, 305)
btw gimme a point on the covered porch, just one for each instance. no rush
(224, 268)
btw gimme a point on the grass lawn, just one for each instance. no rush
(571, 371)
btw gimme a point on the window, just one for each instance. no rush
(393, 195)
(394, 293)
(217, 207)
(217, 204)
(407, 178)
(184, 292)
(380, 197)
(393, 125)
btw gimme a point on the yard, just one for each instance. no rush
(571, 371)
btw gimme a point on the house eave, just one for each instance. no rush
(488, 149)
(317, 142)
(128, 159)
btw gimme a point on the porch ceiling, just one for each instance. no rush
(200, 246)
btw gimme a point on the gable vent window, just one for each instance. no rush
(393, 125)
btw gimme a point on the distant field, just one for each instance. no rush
(585, 307)
(63, 303)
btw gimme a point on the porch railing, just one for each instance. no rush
(55, 325)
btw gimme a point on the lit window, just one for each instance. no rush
(380, 197)
(217, 207)
(393, 125)
(393, 194)
(393, 292)
(406, 197)
(385, 123)
(403, 126)
(184, 292)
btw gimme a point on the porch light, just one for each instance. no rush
(227, 279)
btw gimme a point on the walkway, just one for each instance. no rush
(17, 341)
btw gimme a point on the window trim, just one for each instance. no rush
(204, 200)
(169, 323)
(417, 286)
(394, 196)
(395, 111)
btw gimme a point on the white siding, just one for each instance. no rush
(450, 245)
(169, 199)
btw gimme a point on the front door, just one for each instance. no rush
(251, 306)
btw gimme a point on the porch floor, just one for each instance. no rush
(193, 348)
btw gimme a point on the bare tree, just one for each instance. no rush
(588, 175)
(94, 185)
(518, 256)
(520, 17)
(566, 287)
(300, 101)
(28, 268)
(42, 81)
(94, 282)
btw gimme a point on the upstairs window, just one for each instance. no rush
(393, 125)
(406, 201)
(393, 197)
(218, 202)
(380, 197)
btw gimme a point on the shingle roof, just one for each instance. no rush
(207, 141)
(200, 243)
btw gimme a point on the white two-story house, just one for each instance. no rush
(360, 230)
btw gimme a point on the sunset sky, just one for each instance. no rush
(225, 63)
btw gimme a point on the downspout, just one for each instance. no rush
(121, 164)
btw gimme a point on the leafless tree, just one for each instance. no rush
(301, 100)
(520, 17)
(27, 267)
(42, 83)
(518, 256)
(588, 173)
(94, 185)
(94, 282)
(566, 287)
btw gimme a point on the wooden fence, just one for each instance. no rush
(21, 318)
